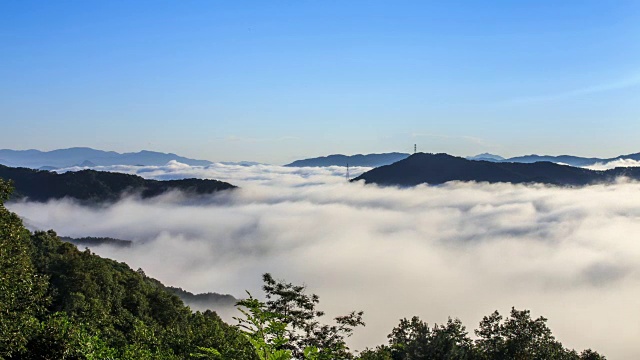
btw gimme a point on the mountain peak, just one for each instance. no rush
(422, 168)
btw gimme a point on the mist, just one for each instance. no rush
(460, 249)
(614, 164)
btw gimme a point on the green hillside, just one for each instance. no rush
(97, 186)
(61, 303)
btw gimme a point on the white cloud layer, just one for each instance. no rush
(614, 164)
(460, 249)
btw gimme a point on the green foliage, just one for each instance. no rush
(134, 313)
(265, 330)
(304, 329)
(414, 339)
(518, 337)
(58, 337)
(21, 288)
(381, 352)
(591, 355)
(6, 189)
(207, 353)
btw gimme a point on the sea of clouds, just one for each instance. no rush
(614, 164)
(459, 249)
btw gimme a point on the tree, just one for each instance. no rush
(21, 288)
(304, 329)
(518, 337)
(381, 352)
(287, 325)
(591, 355)
(58, 337)
(521, 337)
(265, 330)
(414, 339)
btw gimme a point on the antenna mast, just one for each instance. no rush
(347, 172)
(415, 147)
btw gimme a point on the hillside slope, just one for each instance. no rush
(59, 302)
(97, 186)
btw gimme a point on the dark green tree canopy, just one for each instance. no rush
(517, 337)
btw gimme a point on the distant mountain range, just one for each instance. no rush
(88, 157)
(83, 156)
(486, 157)
(97, 186)
(562, 159)
(375, 160)
(369, 160)
(424, 168)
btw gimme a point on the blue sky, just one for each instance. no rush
(274, 81)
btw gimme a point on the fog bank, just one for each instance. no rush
(460, 249)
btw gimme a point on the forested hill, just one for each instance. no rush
(58, 302)
(424, 168)
(97, 186)
(204, 301)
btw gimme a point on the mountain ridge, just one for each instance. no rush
(93, 186)
(434, 169)
(69, 157)
(572, 160)
(381, 159)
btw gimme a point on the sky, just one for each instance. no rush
(282, 80)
